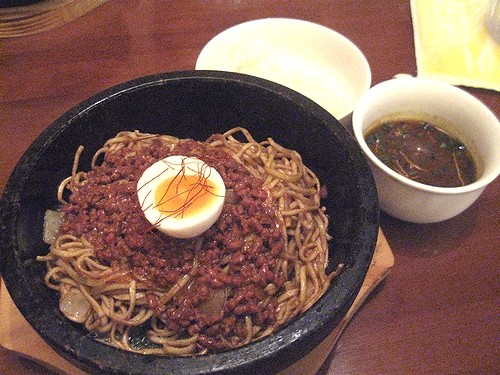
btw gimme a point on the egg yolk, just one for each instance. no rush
(185, 195)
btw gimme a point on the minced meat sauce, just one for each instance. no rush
(247, 237)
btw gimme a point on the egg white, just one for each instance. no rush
(179, 226)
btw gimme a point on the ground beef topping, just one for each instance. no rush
(234, 264)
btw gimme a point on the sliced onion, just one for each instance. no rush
(74, 305)
(214, 305)
(51, 223)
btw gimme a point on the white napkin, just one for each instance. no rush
(452, 43)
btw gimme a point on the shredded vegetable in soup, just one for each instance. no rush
(422, 152)
(260, 264)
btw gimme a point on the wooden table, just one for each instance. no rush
(438, 310)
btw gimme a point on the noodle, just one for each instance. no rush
(114, 302)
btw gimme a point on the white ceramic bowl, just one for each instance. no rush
(468, 119)
(309, 58)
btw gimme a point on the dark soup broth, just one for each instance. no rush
(422, 152)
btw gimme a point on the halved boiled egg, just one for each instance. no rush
(181, 196)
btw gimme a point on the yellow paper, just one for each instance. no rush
(452, 43)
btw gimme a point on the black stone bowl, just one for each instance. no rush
(190, 104)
